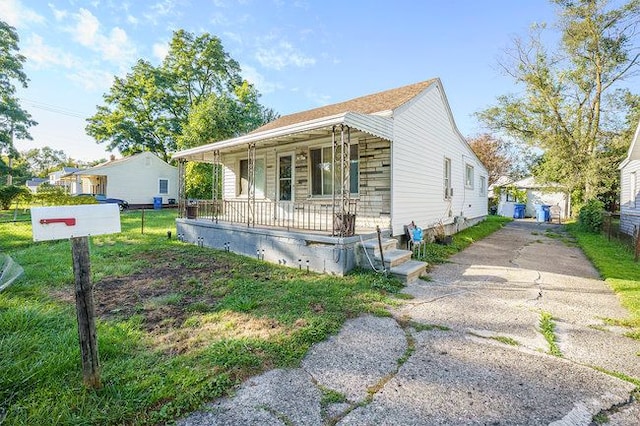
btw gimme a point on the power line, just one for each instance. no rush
(54, 108)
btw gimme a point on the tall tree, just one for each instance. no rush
(493, 152)
(566, 106)
(149, 109)
(43, 161)
(14, 121)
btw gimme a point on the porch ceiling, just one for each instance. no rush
(376, 125)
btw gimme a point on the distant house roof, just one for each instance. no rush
(525, 183)
(370, 114)
(95, 170)
(35, 181)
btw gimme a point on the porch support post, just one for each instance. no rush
(334, 219)
(182, 202)
(251, 195)
(215, 184)
(345, 182)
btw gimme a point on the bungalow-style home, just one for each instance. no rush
(534, 194)
(310, 189)
(629, 169)
(62, 178)
(138, 179)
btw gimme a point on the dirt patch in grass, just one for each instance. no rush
(175, 285)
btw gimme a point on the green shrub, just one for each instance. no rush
(10, 193)
(591, 215)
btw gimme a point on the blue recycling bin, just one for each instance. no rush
(518, 211)
(157, 203)
(543, 213)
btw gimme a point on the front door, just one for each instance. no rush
(285, 194)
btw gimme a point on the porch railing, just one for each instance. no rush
(310, 216)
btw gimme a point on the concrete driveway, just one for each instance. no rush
(467, 349)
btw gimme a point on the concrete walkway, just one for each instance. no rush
(467, 349)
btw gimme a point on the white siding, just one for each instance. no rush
(423, 136)
(629, 205)
(136, 179)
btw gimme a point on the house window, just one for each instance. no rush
(511, 197)
(163, 186)
(483, 185)
(448, 192)
(322, 170)
(244, 178)
(285, 178)
(468, 176)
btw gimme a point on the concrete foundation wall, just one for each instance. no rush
(332, 255)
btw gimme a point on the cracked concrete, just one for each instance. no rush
(485, 360)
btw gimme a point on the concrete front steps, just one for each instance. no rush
(397, 261)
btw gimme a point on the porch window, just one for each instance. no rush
(483, 185)
(468, 176)
(163, 186)
(321, 170)
(285, 177)
(448, 193)
(244, 178)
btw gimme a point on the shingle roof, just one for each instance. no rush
(369, 104)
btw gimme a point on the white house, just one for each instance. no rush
(629, 169)
(550, 194)
(339, 171)
(138, 179)
(65, 178)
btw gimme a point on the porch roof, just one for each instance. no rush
(379, 124)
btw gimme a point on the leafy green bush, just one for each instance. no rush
(591, 215)
(49, 195)
(8, 194)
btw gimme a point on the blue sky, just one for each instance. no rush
(299, 54)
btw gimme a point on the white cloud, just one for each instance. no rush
(58, 14)
(282, 55)
(160, 50)
(114, 47)
(17, 15)
(86, 28)
(94, 80)
(258, 80)
(41, 56)
(162, 9)
(132, 20)
(233, 36)
(317, 98)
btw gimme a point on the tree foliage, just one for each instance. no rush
(568, 104)
(14, 121)
(493, 152)
(152, 107)
(42, 161)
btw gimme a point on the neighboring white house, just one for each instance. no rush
(34, 183)
(629, 169)
(550, 194)
(385, 160)
(138, 179)
(65, 178)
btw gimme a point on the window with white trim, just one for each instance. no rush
(483, 185)
(448, 192)
(243, 182)
(468, 176)
(163, 186)
(322, 170)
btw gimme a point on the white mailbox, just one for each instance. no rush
(64, 222)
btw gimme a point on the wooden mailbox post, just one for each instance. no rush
(77, 223)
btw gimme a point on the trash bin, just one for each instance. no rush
(518, 211)
(157, 203)
(543, 213)
(192, 212)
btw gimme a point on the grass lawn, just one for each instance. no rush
(438, 253)
(178, 325)
(614, 261)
